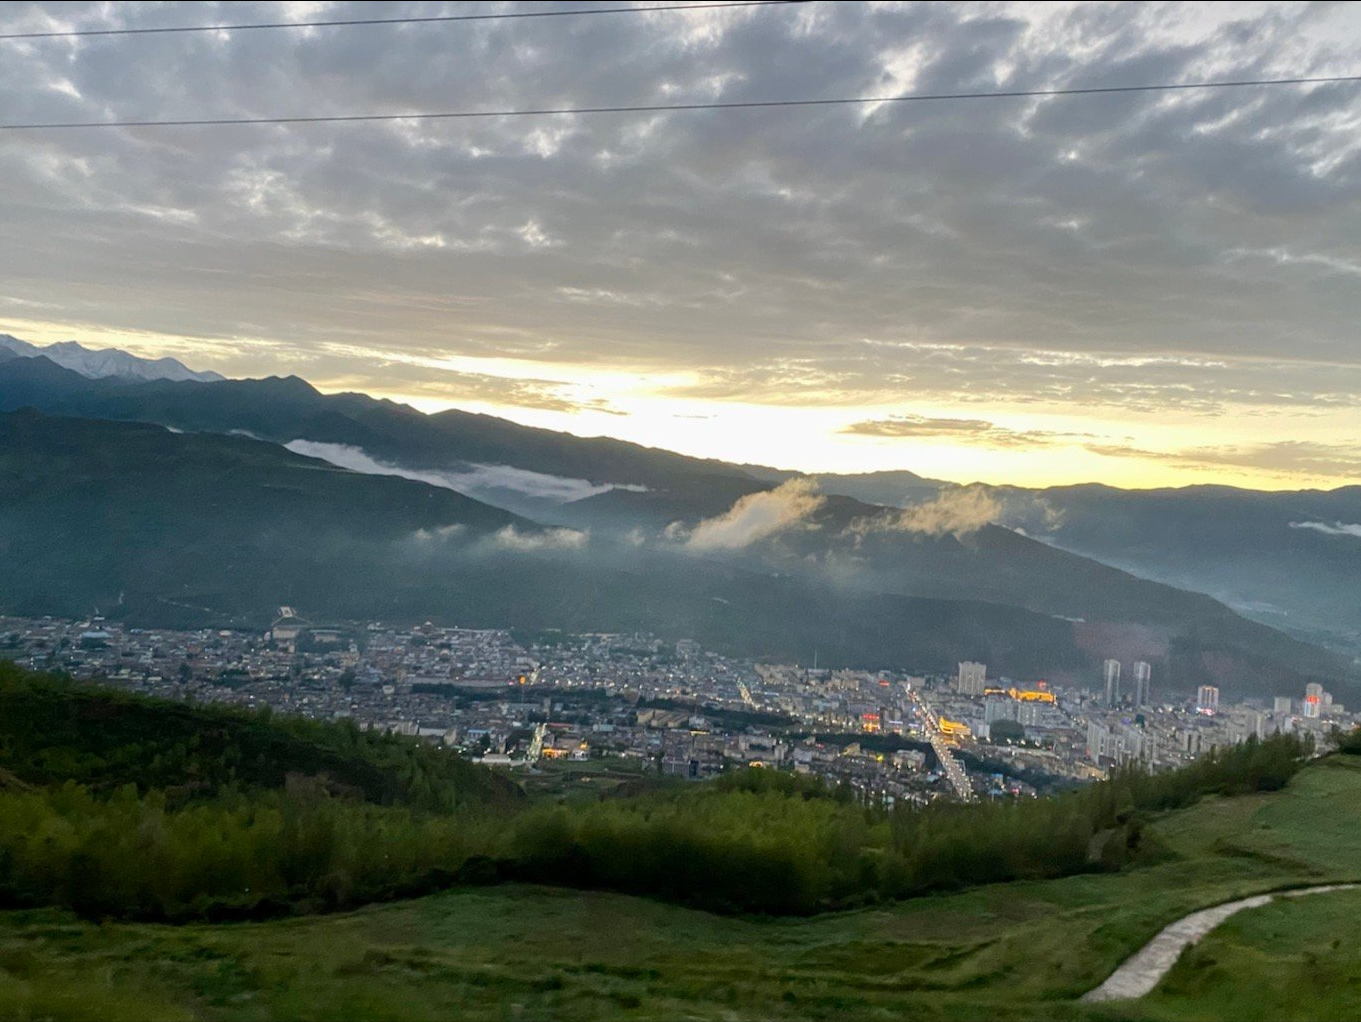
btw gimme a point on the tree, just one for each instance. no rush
(1007, 731)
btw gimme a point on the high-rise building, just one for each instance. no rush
(1313, 699)
(1143, 682)
(1030, 713)
(1207, 699)
(972, 679)
(1281, 706)
(999, 708)
(1110, 674)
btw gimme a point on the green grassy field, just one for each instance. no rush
(589, 780)
(1018, 951)
(1290, 959)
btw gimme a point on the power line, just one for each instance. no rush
(431, 19)
(918, 97)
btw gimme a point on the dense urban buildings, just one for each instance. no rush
(528, 701)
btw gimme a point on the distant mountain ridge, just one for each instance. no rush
(172, 528)
(638, 494)
(288, 409)
(1288, 558)
(99, 363)
(193, 529)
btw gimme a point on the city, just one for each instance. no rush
(603, 706)
(743, 510)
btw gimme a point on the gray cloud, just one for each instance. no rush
(1187, 251)
(974, 431)
(1285, 458)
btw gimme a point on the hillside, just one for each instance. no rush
(1191, 637)
(118, 805)
(284, 410)
(134, 516)
(1291, 559)
(1115, 613)
(52, 732)
(1024, 950)
(843, 572)
(159, 527)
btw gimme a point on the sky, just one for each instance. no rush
(1142, 289)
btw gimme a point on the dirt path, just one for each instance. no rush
(1143, 970)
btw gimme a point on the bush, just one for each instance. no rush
(765, 841)
(118, 806)
(128, 855)
(1349, 744)
(53, 730)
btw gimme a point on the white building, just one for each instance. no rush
(972, 678)
(1143, 683)
(1110, 674)
(1120, 744)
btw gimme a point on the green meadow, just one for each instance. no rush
(1020, 950)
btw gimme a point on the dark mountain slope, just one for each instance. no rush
(291, 409)
(1290, 558)
(990, 564)
(192, 529)
(95, 512)
(1193, 637)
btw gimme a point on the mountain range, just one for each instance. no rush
(188, 529)
(554, 530)
(104, 362)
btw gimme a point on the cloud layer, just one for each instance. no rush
(477, 479)
(1330, 528)
(975, 431)
(546, 540)
(753, 518)
(1194, 254)
(955, 512)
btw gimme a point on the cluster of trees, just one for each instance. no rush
(127, 854)
(53, 730)
(1349, 744)
(122, 806)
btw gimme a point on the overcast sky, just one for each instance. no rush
(1142, 289)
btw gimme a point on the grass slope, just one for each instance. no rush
(1019, 951)
(1290, 959)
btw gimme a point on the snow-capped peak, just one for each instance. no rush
(95, 364)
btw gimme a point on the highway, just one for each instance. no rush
(536, 746)
(954, 773)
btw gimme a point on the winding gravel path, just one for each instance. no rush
(1143, 970)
